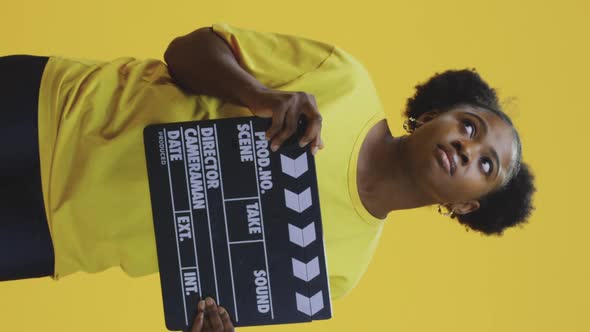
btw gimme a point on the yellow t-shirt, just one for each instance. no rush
(93, 168)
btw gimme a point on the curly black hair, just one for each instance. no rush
(511, 203)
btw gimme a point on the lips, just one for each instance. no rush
(445, 158)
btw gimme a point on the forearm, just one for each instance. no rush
(202, 63)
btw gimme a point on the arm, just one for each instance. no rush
(201, 62)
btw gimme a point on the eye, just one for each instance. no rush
(486, 165)
(469, 127)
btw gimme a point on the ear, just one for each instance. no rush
(463, 207)
(425, 117)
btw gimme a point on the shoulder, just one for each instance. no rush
(345, 60)
(348, 69)
(350, 74)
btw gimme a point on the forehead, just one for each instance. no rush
(500, 135)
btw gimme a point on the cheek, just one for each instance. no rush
(464, 188)
(470, 187)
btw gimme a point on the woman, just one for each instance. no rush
(461, 151)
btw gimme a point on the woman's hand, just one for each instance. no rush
(211, 318)
(286, 107)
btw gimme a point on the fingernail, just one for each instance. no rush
(314, 150)
(274, 147)
(221, 311)
(209, 301)
(201, 305)
(302, 144)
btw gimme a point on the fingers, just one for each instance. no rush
(198, 323)
(228, 326)
(312, 134)
(317, 144)
(213, 315)
(286, 120)
(314, 128)
(278, 117)
(291, 121)
(207, 324)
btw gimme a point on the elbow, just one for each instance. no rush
(171, 59)
(169, 53)
(178, 46)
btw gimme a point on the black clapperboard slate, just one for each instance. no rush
(237, 222)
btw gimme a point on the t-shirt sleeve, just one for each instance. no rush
(341, 286)
(273, 59)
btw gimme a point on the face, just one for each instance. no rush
(461, 154)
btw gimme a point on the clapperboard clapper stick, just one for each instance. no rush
(236, 222)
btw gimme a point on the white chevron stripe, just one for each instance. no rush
(302, 237)
(298, 202)
(294, 167)
(306, 272)
(309, 306)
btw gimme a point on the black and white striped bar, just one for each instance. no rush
(237, 222)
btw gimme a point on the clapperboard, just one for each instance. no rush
(237, 222)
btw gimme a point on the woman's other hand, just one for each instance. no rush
(286, 107)
(211, 318)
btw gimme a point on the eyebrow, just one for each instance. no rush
(484, 125)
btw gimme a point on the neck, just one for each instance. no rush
(391, 185)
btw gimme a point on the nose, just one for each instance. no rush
(464, 150)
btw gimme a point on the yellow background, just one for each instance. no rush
(429, 274)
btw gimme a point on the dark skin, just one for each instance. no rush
(211, 318)
(393, 172)
(403, 172)
(201, 62)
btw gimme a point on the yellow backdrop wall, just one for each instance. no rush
(428, 274)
